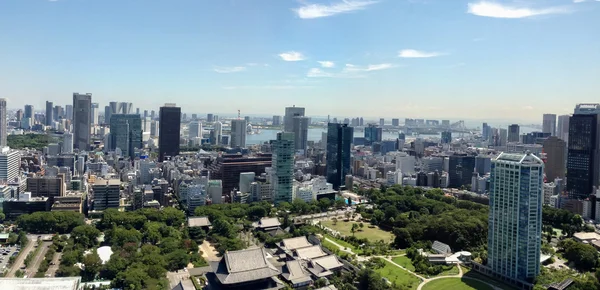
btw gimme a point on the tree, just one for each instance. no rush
(119, 236)
(354, 228)
(324, 204)
(134, 278)
(339, 203)
(197, 234)
(92, 265)
(256, 212)
(361, 225)
(177, 260)
(86, 235)
(114, 266)
(347, 214)
(334, 220)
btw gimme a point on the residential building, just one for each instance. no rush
(169, 129)
(283, 165)
(513, 133)
(556, 153)
(10, 161)
(550, 190)
(82, 123)
(549, 124)
(238, 133)
(583, 159)
(288, 119)
(515, 218)
(126, 133)
(339, 146)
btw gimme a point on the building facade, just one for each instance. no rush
(3, 123)
(515, 219)
(339, 146)
(300, 128)
(169, 129)
(556, 153)
(288, 119)
(513, 133)
(82, 107)
(549, 124)
(10, 160)
(126, 133)
(238, 133)
(583, 164)
(283, 166)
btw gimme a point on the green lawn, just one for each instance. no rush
(404, 262)
(343, 244)
(396, 275)
(372, 234)
(453, 271)
(456, 284)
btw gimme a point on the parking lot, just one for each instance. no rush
(5, 254)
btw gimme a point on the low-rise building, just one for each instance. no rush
(247, 268)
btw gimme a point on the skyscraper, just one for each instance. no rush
(126, 133)
(460, 170)
(485, 132)
(562, 128)
(373, 134)
(339, 146)
(300, 130)
(95, 112)
(549, 124)
(218, 133)
(556, 152)
(395, 122)
(283, 167)
(107, 114)
(209, 118)
(82, 107)
(194, 129)
(513, 133)
(288, 119)
(169, 129)
(238, 133)
(10, 160)
(3, 124)
(67, 143)
(446, 137)
(583, 154)
(49, 113)
(515, 219)
(69, 112)
(276, 120)
(28, 112)
(381, 122)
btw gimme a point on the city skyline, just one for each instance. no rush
(481, 55)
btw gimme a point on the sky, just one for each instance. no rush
(455, 59)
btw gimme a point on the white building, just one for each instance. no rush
(218, 127)
(194, 130)
(246, 178)
(10, 160)
(145, 166)
(549, 191)
(405, 163)
(215, 191)
(67, 143)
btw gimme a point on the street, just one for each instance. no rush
(24, 252)
(53, 268)
(37, 260)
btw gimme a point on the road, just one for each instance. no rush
(37, 260)
(24, 252)
(53, 268)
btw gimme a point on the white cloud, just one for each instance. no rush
(227, 70)
(292, 56)
(318, 73)
(412, 53)
(268, 87)
(257, 64)
(327, 64)
(309, 11)
(497, 10)
(581, 1)
(371, 67)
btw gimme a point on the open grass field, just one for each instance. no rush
(396, 275)
(404, 262)
(372, 234)
(456, 284)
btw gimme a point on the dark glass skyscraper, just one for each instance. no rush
(339, 145)
(460, 170)
(49, 113)
(446, 137)
(82, 120)
(126, 133)
(373, 134)
(168, 131)
(583, 154)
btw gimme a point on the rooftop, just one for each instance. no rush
(201, 221)
(268, 223)
(244, 266)
(66, 283)
(295, 243)
(310, 252)
(586, 236)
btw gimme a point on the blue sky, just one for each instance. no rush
(391, 58)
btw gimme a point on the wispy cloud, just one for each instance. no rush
(413, 53)
(310, 11)
(327, 64)
(497, 10)
(371, 67)
(257, 64)
(227, 70)
(292, 56)
(268, 87)
(581, 1)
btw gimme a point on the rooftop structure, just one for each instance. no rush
(65, 283)
(244, 266)
(200, 221)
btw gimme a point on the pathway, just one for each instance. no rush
(24, 252)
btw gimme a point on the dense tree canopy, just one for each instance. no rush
(49, 222)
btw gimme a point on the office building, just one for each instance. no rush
(300, 130)
(515, 218)
(228, 168)
(209, 118)
(583, 151)
(10, 161)
(49, 113)
(483, 164)
(82, 106)
(373, 134)
(106, 194)
(194, 130)
(169, 129)
(339, 146)
(238, 133)
(446, 137)
(69, 112)
(3, 123)
(381, 122)
(513, 133)
(283, 167)
(395, 122)
(25, 204)
(214, 190)
(95, 113)
(217, 133)
(47, 186)
(29, 112)
(126, 133)
(556, 153)
(549, 124)
(288, 119)
(429, 164)
(485, 132)
(562, 128)
(276, 120)
(460, 170)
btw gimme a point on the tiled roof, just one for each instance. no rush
(201, 221)
(296, 243)
(310, 252)
(328, 262)
(244, 265)
(294, 272)
(269, 222)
